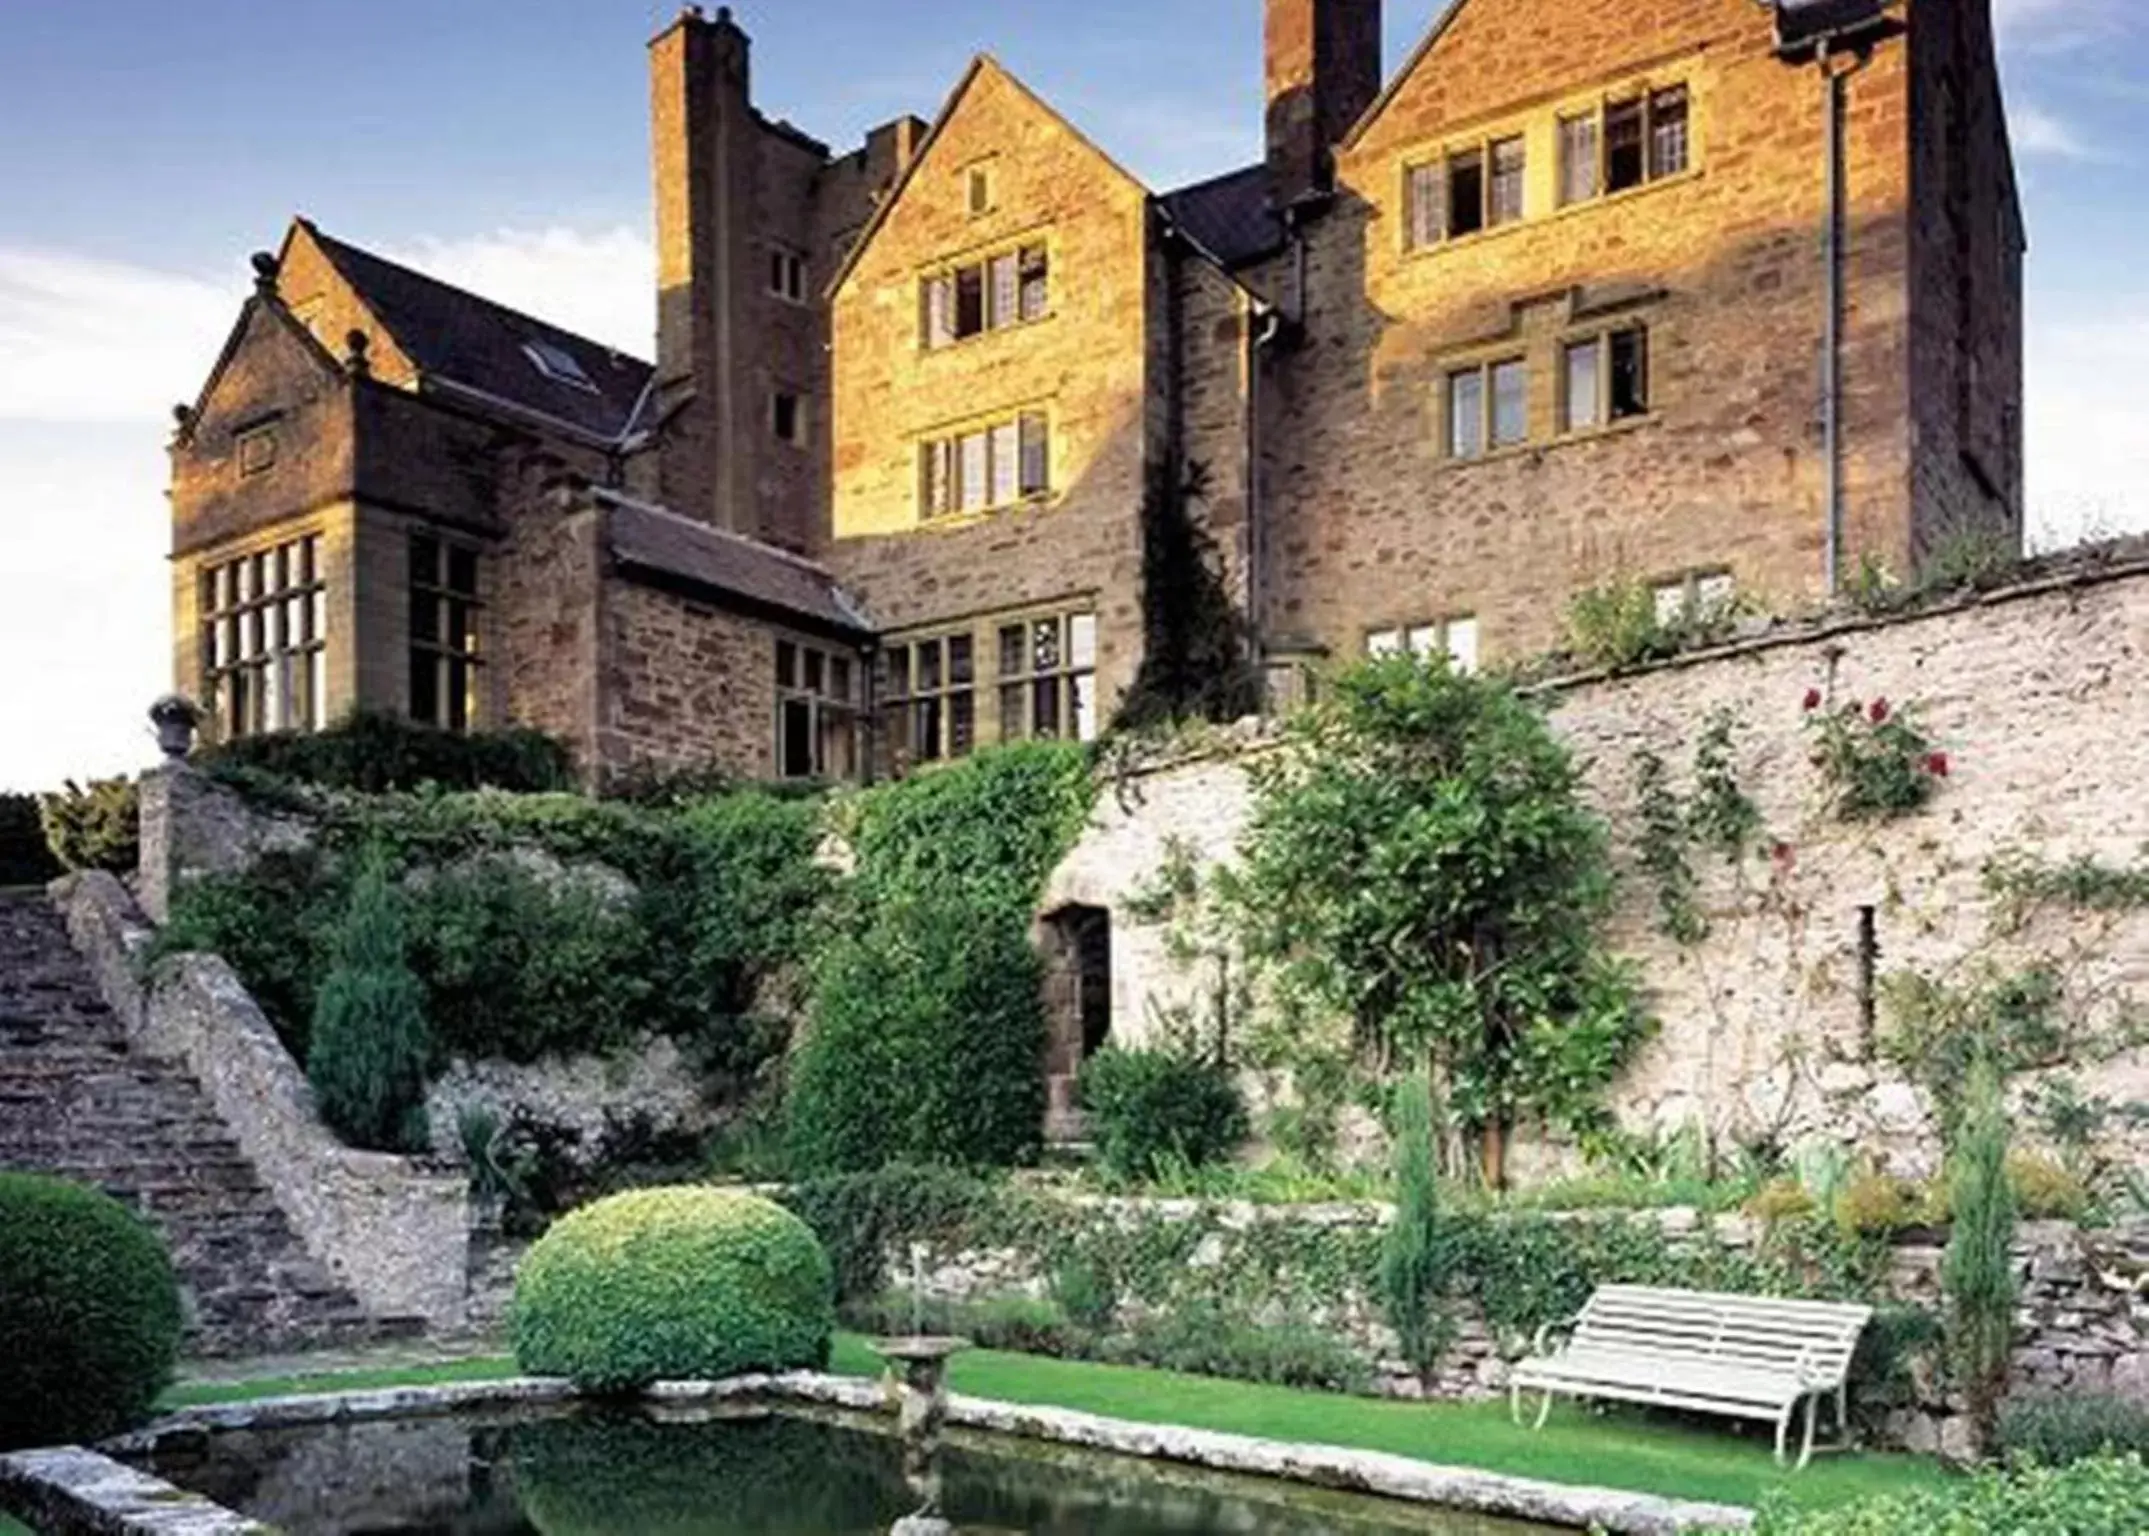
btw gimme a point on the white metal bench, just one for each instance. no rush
(1750, 1357)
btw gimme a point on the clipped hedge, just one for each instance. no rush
(1155, 1110)
(373, 753)
(860, 1218)
(2104, 1497)
(2060, 1429)
(89, 1314)
(681, 1282)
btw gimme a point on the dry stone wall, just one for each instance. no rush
(2034, 693)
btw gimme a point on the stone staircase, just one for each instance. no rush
(78, 1102)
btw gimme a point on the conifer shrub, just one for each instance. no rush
(1977, 1273)
(25, 858)
(1153, 1110)
(89, 1314)
(672, 1283)
(368, 1048)
(1410, 1254)
(95, 825)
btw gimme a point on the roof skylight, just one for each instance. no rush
(558, 364)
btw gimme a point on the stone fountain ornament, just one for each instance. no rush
(920, 1364)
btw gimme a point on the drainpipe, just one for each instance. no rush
(1832, 242)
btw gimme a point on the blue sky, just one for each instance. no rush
(146, 148)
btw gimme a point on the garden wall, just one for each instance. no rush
(1771, 1022)
(2083, 1314)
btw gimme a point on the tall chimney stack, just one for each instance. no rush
(1324, 69)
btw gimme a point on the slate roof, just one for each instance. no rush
(1229, 216)
(454, 336)
(655, 541)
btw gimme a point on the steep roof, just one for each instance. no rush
(1230, 216)
(655, 541)
(500, 355)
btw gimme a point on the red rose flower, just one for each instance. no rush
(1781, 853)
(1813, 700)
(1936, 764)
(1878, 711)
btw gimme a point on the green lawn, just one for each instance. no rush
(1616, 1450)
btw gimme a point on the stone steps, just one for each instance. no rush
(77, 1101)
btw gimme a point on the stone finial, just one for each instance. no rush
(265, 270)
(183, 416)
(176, 717)
(354, 355)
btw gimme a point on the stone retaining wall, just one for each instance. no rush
(2083, 1316)
(396, 1233)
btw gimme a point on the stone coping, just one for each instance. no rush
(1615, 1511)
(71, 1490)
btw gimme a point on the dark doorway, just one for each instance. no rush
(1078, 1009)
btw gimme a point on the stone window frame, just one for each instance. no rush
(254, 448)
(987, 683)
(1446, 635)
(1703, 593)
(823, 682)
(800, 422)
(789, 274)
(945, 464)
(1607, 417)
(263, 621)
(1485, 367)
(1428, 177)
(1540, 127)
(455, 653)
(1028, 259)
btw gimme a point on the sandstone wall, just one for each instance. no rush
(2035, 696)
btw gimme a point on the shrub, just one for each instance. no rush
(2045, 1189)
(25, 857)
(684, 1282)
(1873, 1205)
(860, 1218)
(1780, 1200)
(1877, 762)
(2103, 1497)
(1977, 1272)
(1205, 1339)
(1150, 1110)
(275, 925)
(1085, 1292)
(89, 1314)
(367, 1052)
(2059, 1430)
(374, 753)
(1410, 1255)
(94, 826)
(925, 1043)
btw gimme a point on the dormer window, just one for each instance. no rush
(558, 364)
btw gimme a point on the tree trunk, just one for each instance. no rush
(1492, 1154)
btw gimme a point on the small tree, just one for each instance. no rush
(367, 1053)
(1421, 862)
(1409, 1257)
(1977, 1273)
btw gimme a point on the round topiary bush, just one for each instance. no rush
(663, 1284)
(89, 1313)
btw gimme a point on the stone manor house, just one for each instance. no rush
(1720, 295)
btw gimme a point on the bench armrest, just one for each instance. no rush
(1541, 1344)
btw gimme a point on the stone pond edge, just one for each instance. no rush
(89, 1492)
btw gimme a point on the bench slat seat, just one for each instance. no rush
(1752, 1357)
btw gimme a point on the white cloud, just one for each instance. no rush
(2035, 131)
(601, 284)
(86, 340)
(2088, 444)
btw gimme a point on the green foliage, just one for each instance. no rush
(1876, 761)
(927, 1041)
(927, 1030)
(1196, 648)
(95, 825)
(375, 752)
(1421, 862)
(1153, 1109)
(2061, 1429)
(861, 1218)
(1660, 844)
(1977, 1272)
(1409, 1251)
(25, 857)
(2020, 881)
(368, 1048)
(89, 1314)
(2101, 1497)
(275, 924)
(2045, 1190)
(1206, 1338)
(1614, 625)
(688, 1282)
(1874, 1205)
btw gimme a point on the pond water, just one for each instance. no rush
(623, 1473)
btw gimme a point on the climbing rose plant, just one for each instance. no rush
(1420, 861)
(1876, 760)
